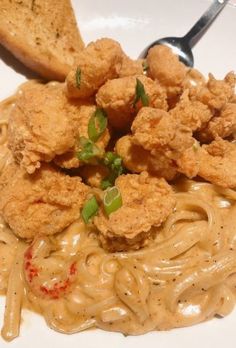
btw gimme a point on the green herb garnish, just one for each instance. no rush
(97, 124)
(140, 94)
(114, 163)
(112, 200)
(90, 209)
(88, 151)
(145, 66)
(78, 77)
(108, 181)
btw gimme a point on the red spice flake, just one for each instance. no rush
(73, 268)
(32, 273)
(28, 254)
(27, 265)
(57, 290)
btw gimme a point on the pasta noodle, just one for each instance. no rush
(185, 276)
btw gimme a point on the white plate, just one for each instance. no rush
(135, 24)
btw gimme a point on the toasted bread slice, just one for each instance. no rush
(42, 34)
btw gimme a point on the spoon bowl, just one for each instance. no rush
(182, 46)
(178, 45)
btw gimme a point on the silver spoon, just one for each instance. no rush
(183, 45)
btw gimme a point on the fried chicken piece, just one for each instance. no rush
(98, 62)
(216, 93)
(218, 163)
(93, 174)
(130, 67)
(42, 124)
(43, 203)
(147, 202)
(158, 131)
(192, 114)
(69, 159)
(222, 125)
(137, 159)
(117, 98)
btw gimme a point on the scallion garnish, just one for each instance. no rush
(140, 94)
(88, 151)
(112, 200)
(145, 66)
(108, 181)
(114, 163)
(97, 124)
(90, 209)
(78, 77)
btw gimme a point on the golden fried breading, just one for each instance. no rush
(158, 131)
(42, 124)
(137, 159)
(188, 162)
(192, 114)
(69, 160)
(130, 67)
(217, 162)
(165, 66)
(193, 79)
(216, 93)
(98, 62)
(117, 98)
(42, 203)
(147, 202)
(93, 174)
(153, 128)
(222, 125)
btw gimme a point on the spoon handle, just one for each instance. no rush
(203, 23)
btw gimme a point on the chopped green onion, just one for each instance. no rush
(88, 150)
(145, 66)
(78, 77)
(90, 209)
(97, 124)
(109, 157)
(108, 181)
(112, 200)
(105, 183)
(140, 94)
(114, 163)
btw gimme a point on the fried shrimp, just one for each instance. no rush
(192, 114)
(117, 97)
(42, 124)
(98, 62)
(216, 93)
(158, 131)
(137, 159)
(130, 67)
(69, 159)
(165, 66)
(217, 163)
(43, 203)
(147, 202)
(222, 125)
